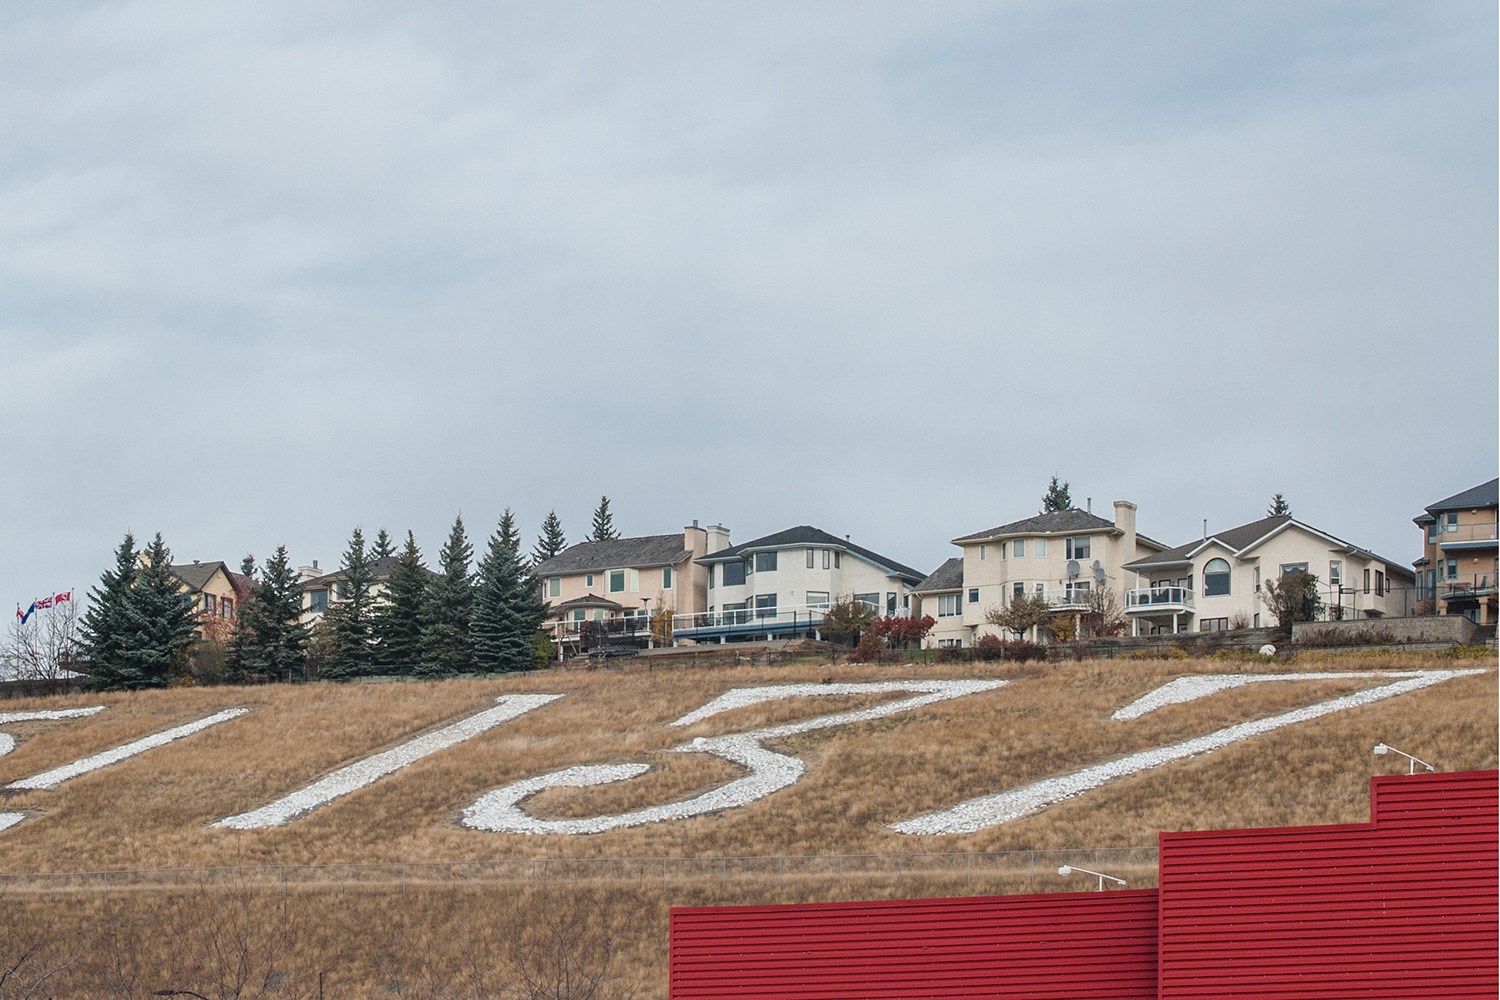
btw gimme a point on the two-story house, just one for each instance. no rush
(1217, 582)
(1066, 556)
(629, 578)
(216, 592)
(1460, 560)
(319, 590)
(779, 585)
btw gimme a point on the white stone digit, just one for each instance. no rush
(372, 769)
(1186, 689)
(992, 810)
(770, 771)
(8, 743)
(51, 779)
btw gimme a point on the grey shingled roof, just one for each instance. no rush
(805, 535)
(1239, 538)
(197, 574)
(948, 576)
(588, 601)
(619, 553)
(380, 569)
(1483, 495)
(1052, 521)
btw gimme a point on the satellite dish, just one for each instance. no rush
(1073, 567)
(1098, 572)
(1098, 564)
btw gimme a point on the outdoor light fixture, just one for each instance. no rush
(1066, 870)
(1381, 750)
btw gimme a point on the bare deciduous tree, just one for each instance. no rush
(33, 954)
(1020, 614)
(564, 952)
(240, 946)
(45, 647)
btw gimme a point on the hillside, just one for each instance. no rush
(155, 809)
(803, 759)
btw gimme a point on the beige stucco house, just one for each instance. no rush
(1217, 582)
(1064, 555)
(216, 593)
(319, 589)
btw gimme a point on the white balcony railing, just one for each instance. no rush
(1470, 535)
(1164, 599)
(736, 621)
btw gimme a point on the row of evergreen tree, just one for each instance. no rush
(459, 618)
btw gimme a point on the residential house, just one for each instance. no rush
(1460, 562)
(1217, 582)
(216, 592)
(1066, 556)
(780, 585)
(319, 590)
(628, 579)
(941, 595)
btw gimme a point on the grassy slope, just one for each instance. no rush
(153, 810)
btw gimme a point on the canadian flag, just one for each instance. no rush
(68, 596)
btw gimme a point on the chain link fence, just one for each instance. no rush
(903, 874)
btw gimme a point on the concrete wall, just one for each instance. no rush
(1450, 629)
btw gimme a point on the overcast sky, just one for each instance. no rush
(267, 273)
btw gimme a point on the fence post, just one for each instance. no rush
(281, 879)
(106, 885)
(341, 879)
(970, 880)
(468, 874)
(900, 872)
(49, 888)
(218, 889)
(611, 871)
(533, 873)
(723, 873)
(841, 871)
(780, 871)
(403, 880)
(663, 873)
(1031, 879)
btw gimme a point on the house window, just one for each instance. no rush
(890, 605)
(1213, 625)
(817, 598)
(599, 614)
(827, 558)
(1257, 619)
(317, 600)
(341, 590)
(765, 562)
(1041, 590)
(948, 605)
(226, 608)
(578, 614)
(1336, 572)
(950, 643)
(812, 555)
(981, 552)
(1216, 578)
(666, 578)
(1367, 581)
(871, 601)
(588, 579)
(710, 576)
(1018, 589)
(765, 606)
(208, 605)
(1452, 524)
(1019, 550)
(836, 555)
(1379, 582)
(734, 613)
(1289, 568)
(1453, 569)
(973, 595)
(1078, 591)
(1038, 547)
(906, 601)
(1257, 579)
(734, 573)
(1078, 548)
(616, 581)
(635, 581)
(1432, 533)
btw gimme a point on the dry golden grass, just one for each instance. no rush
(153, 810)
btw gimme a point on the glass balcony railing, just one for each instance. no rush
(1159, 599)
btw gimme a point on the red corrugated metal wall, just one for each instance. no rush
(1404, 906)
(1100, 944)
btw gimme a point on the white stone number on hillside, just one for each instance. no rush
(770, 771)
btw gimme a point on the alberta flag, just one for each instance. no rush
(28, 613)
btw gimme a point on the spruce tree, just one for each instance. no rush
(247, 565)
(383, 547)
(507, 609)
(102, 626)
(271, 640)
(401, 618)
(1279, 507)
(551, 541)
(350, 638)
(604, 523)
(509, 535)
(158, 619)
(1057, 497)
(447, 647)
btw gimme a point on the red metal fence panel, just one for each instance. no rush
(1099, 944)
(1404, 906)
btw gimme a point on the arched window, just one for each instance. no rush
(1215, 578)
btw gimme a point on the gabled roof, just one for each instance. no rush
(196, 575)
(1483, 495)
(380, 569)
(806, 535)
(948, 576)
(1240, 540)
(589, 601)
(618, 553)
(1054, 521)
